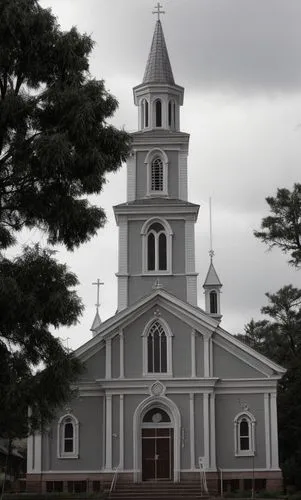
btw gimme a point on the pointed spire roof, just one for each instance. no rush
(212, 278)
(158, 67)
(96, 323)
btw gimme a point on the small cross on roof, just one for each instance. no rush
(158, 10)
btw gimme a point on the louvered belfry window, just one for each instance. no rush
(157, 349)
(157, 175)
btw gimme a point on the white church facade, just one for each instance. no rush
(165, 387)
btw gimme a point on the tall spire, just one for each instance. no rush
(212, 284)
(158, 67)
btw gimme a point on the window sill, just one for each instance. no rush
(67, 456)
(245, 454)
(156, 375)
(156, 273)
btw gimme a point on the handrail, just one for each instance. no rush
(114, 480)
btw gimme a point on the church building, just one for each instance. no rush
(166, 391)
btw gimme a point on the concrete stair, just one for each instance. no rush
(190, 490)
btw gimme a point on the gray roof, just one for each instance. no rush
(158, 67)
(212, 278)
(158, 201)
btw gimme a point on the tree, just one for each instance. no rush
(282, 229)
(279, 338)
(56, 146)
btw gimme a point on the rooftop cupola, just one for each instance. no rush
(158, 97)
(212, 287)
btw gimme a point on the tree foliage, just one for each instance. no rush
(56, 146)
(279, 338)
(282, 229)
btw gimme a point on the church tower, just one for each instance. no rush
(156, 224)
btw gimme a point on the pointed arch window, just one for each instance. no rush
(213, 302)
(158, 113)
(244, 434)
(171, 113)
(67, 436)
(157, 348)
(145, 113)
(156, 247)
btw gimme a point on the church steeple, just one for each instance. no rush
(212, 284)
(158, 67)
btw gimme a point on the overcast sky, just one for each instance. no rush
(240, 64)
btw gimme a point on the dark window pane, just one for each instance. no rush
(150, 366)
(213, 302)
(157, 227)
(244, 443)
(244, 428)
(69, 431)
(169, 113)
(49, 486)
(163, 354)
(151, 252)
(156, 415)
(146, 113)
(58, 486)
(156, 352)
(158, 113)
(157, 175)
(162, 252)
(70, 486)
(68, 445)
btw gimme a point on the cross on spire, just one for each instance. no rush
(158, 10)
(98, 283)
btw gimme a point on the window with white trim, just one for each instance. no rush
(157, 176)
(67, 435)
(244, 434)
(145, 113)
(157, 348)
(172, 114)
(213, 302)
(158, 112)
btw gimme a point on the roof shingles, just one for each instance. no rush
(158, 67)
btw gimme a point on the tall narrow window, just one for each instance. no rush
(144, 113)
(158, 112)
(157, 351)
(213, 302)
(157, 175)
(156, 248)
(244, 434)
(171, 113)
(67, 434)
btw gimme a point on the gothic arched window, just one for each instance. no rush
(157, 178)
(145, 113)
(156, 248)
(171, 113)
(156, 349)
(67, 437)
(158, 113)
(213, 302)
(244, 434)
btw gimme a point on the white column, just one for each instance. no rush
(183, 176)
(108, 431)
(212, 432)
(193, 365)
(121, 432)
(123, 264)
(191, 432)
(131, 176)
(211, 374)
(108, 358)
(274, 432)
(267, 430)
(121, 352)
(206, 356)
(206, 429)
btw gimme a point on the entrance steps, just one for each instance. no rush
(159, 490)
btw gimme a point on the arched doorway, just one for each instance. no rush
(156, 431)
(157, 445)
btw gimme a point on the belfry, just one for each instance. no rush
(166, 393)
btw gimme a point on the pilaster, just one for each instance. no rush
(121, 432)
(108, 358)
(267, 430)
(108, 432)
(193, 363)
(206, 429)
(274, 432)
(121, 353)
(192, 433)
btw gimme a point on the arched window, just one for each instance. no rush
(67, 434)
(156, 416)
(213, 302)
(244, 434)
(156, 248)
(158, 113)
(157, 183)
(171, 114)
(145, 113)
(157, 348)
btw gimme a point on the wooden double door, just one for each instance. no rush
(157, 454)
